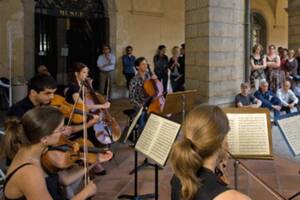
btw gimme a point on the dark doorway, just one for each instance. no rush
(85, 39)
(66, 32)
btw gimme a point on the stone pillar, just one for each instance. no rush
(215, 49)
(29, 45)
(294, 24)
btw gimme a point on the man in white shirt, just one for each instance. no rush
(287, 97)
(106, 63)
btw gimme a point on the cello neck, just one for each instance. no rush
(149, 69)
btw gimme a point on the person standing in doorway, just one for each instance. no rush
(106, 63)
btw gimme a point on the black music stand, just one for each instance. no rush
(135, 129)
(179, 102)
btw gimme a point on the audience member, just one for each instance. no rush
(245, 99)
(258, 65)
(287, 97)
(160, 61)
(128, 64)
(268, 98)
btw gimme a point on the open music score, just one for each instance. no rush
(250, 132)
(157, 138)
(290, 128)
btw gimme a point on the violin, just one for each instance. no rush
(154, 88)
(220, 170)
(70, 152)
(66, 108)
(110, 128)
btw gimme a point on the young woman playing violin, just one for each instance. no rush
(196, 158)
(26, 179)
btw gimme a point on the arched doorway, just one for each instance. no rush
(258, 30)
(67, 31)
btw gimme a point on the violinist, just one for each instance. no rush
(25, 140)
(196, 158)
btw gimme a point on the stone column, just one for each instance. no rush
(294, 24)
(29, 45)
(215, 49)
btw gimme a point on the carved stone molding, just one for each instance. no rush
(153, 8)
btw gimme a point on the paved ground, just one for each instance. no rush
(282, 173)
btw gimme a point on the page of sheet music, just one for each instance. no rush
(248, 134)
(157, 138)
(290, 127)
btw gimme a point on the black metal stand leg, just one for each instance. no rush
(135, 196)
(156, 182)
(146, 163)
(236, 165)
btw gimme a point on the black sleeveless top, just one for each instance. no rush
(211, 186)
(51, 182)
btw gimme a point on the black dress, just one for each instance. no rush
(52, 182)
(211, 186)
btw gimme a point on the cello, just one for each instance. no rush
(108, 130)
(154, 88)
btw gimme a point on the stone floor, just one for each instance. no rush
(281, 173)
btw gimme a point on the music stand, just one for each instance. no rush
(179, 102)
(134, 129)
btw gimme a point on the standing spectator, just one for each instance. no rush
(181, 61)
(160, 61)
(291, 65)
(128, 65)
(106, 63)
(245, 99)
(275, 75)
(287, 97)
(298, 60)
(268, 98)
(176, 70)
(258, 64)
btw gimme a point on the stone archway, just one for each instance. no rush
(29, 36)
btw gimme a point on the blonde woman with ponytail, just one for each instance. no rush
(195, 158)
(25, 140)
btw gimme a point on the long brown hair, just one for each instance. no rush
(39, 122)
(77, 67)
(204, 130)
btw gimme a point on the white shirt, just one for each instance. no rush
(287, 97)
(106, 64)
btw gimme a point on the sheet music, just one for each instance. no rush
(290, 128)
(248, 134)
(157, 138)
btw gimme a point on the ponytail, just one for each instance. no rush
(14, 138)
(186, 161)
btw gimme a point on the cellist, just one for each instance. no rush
(137, 94)
(79, 75)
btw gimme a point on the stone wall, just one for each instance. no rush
(276, 20)
(215, 49)
(11, 38)
(145, 24)
(294, 24)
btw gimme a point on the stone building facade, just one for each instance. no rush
(213, 30)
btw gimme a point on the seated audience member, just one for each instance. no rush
(287, 97)
(245, 99)
(269, 99)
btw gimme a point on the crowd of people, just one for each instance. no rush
(273, 81)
